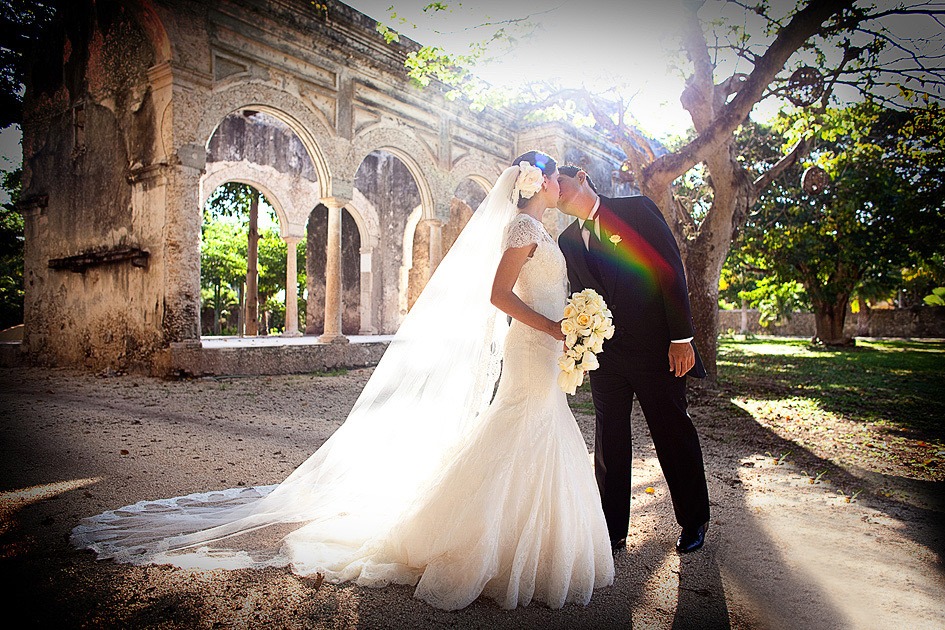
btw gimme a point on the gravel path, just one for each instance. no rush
(782, 552)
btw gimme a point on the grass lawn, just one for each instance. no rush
(879, 405)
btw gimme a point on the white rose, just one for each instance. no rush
(583, 320)
(568, 327)
(569, 311)
(570, 381)
(529, 181)
(566, 363)
(589, 362)
(578, 301)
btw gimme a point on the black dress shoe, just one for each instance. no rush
(618, 545)
(691, 538)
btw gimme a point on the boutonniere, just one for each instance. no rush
(615, 238)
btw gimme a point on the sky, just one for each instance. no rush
(602, 43)
(586, 43)
(579, 43)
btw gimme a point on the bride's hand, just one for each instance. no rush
(555, 330)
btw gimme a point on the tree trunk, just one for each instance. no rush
(252, 264)
(241, 311)
(216, 309)
(744, 317)
(863, 318)
(829, 318)
(702, 276)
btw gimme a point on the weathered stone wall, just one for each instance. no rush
(261, 139)
(121, 105)
(315, 273)
(89, 116)
(388, 185)
(922, 322)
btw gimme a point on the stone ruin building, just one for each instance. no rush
(137, 110)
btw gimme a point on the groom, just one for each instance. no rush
(623, 249)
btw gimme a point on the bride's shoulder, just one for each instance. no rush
(523, 229)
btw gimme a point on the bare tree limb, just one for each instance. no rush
(797, 153)
(806, 23)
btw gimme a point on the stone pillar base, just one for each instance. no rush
(293, 333)
(333, 338)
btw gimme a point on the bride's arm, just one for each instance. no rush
(502, 297)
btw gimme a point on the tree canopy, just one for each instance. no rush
(883, 210)
(735, 54)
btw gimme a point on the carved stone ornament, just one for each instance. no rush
(805, 86)
(814, 180)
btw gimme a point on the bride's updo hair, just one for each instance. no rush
(543, 161)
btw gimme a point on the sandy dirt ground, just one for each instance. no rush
(786, 549)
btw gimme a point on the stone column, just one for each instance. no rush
(436, 245)
(181, 256)
(291, 287)
(332, 332)
(366, 308)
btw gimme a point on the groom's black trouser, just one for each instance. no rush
(662, 398)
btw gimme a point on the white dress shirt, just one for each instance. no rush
(592, 215)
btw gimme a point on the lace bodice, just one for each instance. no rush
(542, 283)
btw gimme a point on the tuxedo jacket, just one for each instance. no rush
(636, 267)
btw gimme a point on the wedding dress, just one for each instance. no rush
(431, 481)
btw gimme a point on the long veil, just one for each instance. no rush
(434, 380)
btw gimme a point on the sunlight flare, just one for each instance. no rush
(15, 499)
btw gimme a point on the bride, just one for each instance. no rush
(432, 480)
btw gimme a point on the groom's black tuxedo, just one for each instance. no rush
(635, 265)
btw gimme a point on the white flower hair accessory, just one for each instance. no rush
(529, 181)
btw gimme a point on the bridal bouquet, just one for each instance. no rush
(587, 323)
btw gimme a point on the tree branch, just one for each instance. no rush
(762, 181)
(698, 97)
(806, 23)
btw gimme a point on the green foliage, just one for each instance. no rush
(222, 264)
(232, 200)
(21, 24)
(456, 70)
(224, 253)
(775, 301)
(11, 253)
(882, 212)
(937, 297)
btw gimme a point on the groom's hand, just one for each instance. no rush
(682, 358)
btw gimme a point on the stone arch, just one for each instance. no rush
(153, 26)
(365, 217)
(251, 175)
(368, 223)
(483, 172)
(408, 150)
(300, 118)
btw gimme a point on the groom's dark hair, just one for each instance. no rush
(572, 171)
